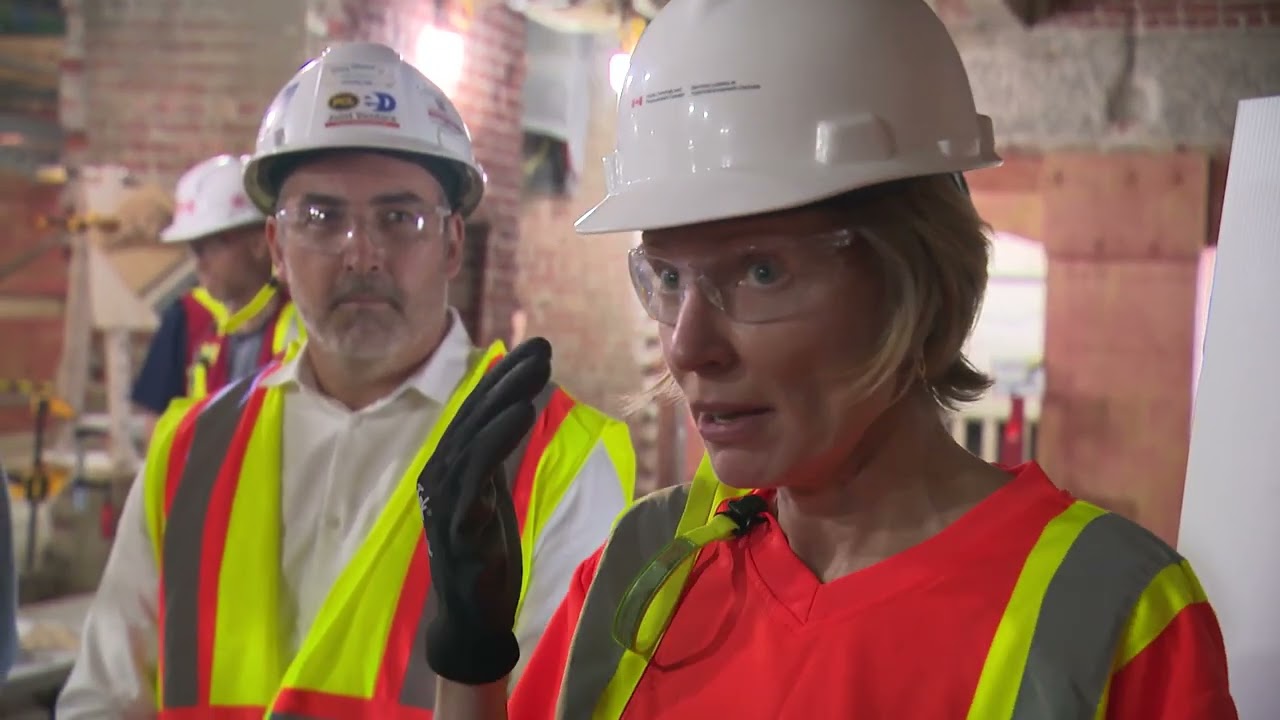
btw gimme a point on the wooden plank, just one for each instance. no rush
(1020, 173)
(1124, 233)
(1133, 206)
(28, 307)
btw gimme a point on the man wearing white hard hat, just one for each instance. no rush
(271, 558)
(814, 268)
(235, 320)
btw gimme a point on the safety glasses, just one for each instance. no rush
(765, 280)
(326, 227)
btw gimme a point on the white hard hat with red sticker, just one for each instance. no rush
(732, 108)
(210, 199)
(364, 96)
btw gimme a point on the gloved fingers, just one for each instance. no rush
(479, 463)
(487, 394)
(519, 386)
(520, 383)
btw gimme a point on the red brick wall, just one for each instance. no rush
(1169, 14)
(1143, 14)
(168, 85)
(31, 345)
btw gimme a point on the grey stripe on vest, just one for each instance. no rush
(419, 689)
(184, 538)
(1083, 617)
(594, 655)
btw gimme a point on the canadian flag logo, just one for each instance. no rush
(187, 207)
(239, 202)
(637, 101)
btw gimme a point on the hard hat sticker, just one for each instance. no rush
(361, 75)
(693, 91)
(372, 108)
(343, 101)
(439, 112)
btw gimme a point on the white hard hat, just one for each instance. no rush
(364, 96)
(210, 199)
(733, 108)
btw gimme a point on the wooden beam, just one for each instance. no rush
(29, 307)
(1020, 173)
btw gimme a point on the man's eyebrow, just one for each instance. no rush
(392, 198)
(397, 198)
(320, 199)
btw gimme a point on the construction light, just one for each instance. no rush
(618, 66)
(439, 55)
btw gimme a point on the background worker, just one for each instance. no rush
(197, 348)
(281, 515)
(813, 302)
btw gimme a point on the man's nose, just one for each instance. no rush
(361, 252)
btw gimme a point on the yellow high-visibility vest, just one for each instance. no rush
(286, 331)
(211, 304)
(217, 544)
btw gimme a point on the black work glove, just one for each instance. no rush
(472, 535)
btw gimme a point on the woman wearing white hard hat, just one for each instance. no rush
(815, 267)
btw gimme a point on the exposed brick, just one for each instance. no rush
(21, 204)
(170, 86)
(1167, 14)
(41, 343)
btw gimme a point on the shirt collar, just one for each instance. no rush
(435, 380)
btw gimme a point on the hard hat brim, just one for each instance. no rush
(170, 236)
(728, 194)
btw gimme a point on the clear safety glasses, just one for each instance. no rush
(326, 227)
(769, 279)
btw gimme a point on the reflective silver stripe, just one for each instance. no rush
(1083, 616)
(184, 538)
(419, 688)
(594, 656)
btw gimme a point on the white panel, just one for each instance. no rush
(557, 86)
(1232, 500)
(1204, 286)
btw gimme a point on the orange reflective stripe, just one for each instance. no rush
(295, 704)
(544, 430)
(207, 713)
(177, 453)
(217, 517)
(198, 513)
(408, 631)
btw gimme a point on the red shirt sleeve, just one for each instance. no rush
(1181, 675)
(538, 689)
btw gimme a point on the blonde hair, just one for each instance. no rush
(931, 250)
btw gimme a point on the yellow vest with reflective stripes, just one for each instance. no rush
(1123, 571)
(217, 544)
(287, 330)
(216, 309)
